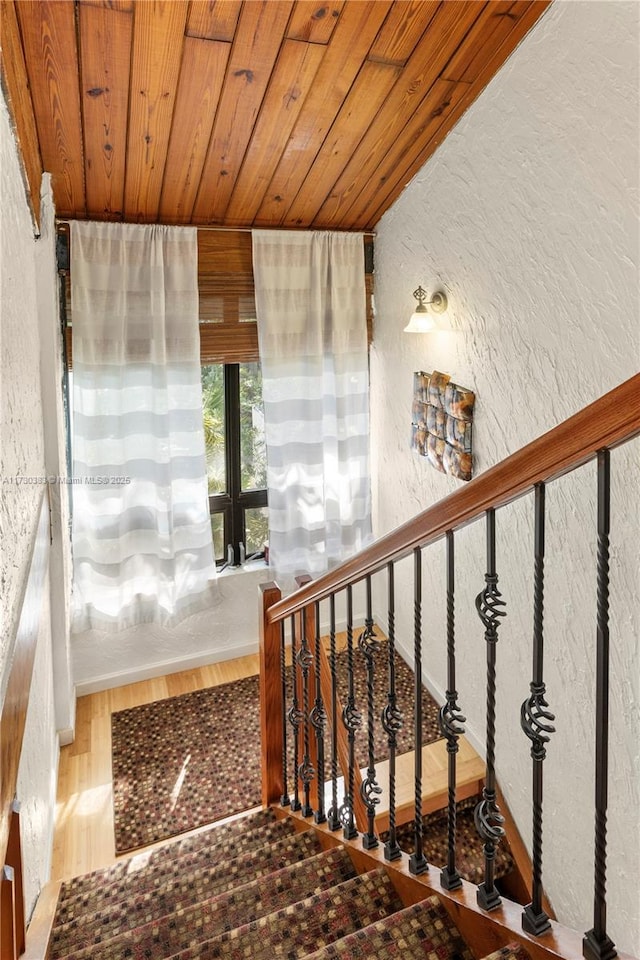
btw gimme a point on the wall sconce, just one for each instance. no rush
(421, 321)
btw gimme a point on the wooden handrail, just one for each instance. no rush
(608, 422)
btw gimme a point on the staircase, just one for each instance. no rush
(258, 887)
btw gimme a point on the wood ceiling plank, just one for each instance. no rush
(402, 30)
(401, 108)
(201, 77)
(118, 6)
(213, 19)
(105, 56)
(314, 21)
(355, 32)
(158, 37)
(290, 83)
(414, 162)
(490, 30)
(15, 83)
(254, 52)
(368, 94)
(49, 41)
(441, 99)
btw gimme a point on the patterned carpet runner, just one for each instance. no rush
(469, 846)
(251, 889)
(186, 761)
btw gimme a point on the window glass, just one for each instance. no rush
(253, 453)
(236, 459)
(217, 532)
(256, 528)
(214, 427)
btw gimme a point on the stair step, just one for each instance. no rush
(421, 931)
(469, 847)
(307, 925)
(185, 927)
(513, 951)
(179, 891)
(216, 834)
(144, 877)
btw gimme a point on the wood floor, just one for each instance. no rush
(84, 838)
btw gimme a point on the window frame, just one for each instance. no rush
(235, 501)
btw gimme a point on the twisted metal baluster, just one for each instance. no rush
(306, 771)
(488, 819)
(369, 789)
(392, 722)
(451, 725)
(333, 818)
(284, 799)
(535, 720)
(597, 945)
(352, 721)
(295, 716)
(318, 722)
(417, 862)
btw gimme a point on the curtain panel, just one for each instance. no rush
(142, 549)
(311, 312)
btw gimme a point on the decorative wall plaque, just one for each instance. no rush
(441, 423)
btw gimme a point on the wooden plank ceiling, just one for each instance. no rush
(279, 113)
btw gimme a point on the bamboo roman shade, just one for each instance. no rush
(228, 330)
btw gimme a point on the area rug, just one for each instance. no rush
(189, 760)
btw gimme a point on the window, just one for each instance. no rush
(236, 459)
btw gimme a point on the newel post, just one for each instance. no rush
(271, 703)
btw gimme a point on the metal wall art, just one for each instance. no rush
(441, 423)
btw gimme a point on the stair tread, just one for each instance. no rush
(423, 930)
(178, 893)
(214, 834)
(469, 846)
(300, 927)
(512, 951)
(145, 876)
(183, 928)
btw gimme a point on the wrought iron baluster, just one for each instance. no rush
(488, 819)
(392, 722)
(306, 771)
(352, 721)
(295, 715)
(536, 721)
(451, 725)
(284, 799)
(370, 790)
(417, 862)
(333, 818)
(319, 721)
(597, 945)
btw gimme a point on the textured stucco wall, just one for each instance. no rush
(22, 416)
(21, 436)
(528, 215)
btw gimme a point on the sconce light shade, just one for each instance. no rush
(420, 320)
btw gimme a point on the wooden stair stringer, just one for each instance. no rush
(483, 932)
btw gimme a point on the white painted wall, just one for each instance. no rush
(528, 216)
(24, 268)
(229, 629)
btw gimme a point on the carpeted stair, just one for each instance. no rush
(469, 846)
(513, 951)
(254, 888)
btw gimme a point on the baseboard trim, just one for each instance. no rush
(163, 668)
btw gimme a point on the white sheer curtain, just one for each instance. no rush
(311, 311)
(142, 547)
